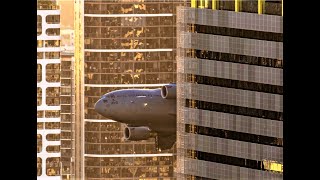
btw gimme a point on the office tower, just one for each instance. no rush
(67, 102)
(230, 90)
(48, 90)
(120, 44)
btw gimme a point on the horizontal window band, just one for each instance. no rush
(273, 1)
(237, 84)
(225, 108)
(241, 33)
(265, 165)
(235, 58)
(234, 135)
(128, 15)
(193, 177)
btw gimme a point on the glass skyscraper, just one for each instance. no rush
(230, 90)
(121, 44)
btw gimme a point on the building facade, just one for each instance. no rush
(121, 44)
(230, 90)
(67, 40)
(67, 113)
(48, 90)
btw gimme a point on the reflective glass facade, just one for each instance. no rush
(125, 44)
(230, 91)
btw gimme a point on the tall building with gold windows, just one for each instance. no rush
(48, 90)
(121, 44)
(230, 90)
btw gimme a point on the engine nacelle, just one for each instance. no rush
(137, 133)
(169, 91)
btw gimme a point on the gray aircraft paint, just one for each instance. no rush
(140, 107)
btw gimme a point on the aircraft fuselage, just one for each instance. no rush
(139, 107)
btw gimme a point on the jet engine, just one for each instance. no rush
(137, 133)
(169, 91)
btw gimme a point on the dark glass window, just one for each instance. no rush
(239, 136)
(235, 58)
(235, 161)
(230, 83)
(273, 7)
(250, 6)
(228, 5)
(242, 33)
(259, 113)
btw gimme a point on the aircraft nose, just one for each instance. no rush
(98, 107)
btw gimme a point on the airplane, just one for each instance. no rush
(147, 113)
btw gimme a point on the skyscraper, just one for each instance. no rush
(230, 90)
(48, 90)
(67, 104)
(120, 44)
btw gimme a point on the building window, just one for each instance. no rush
(39, 25)
(234, 135)
(65, 143)
(65, 82)
(52, 114)
(228, 5)
(53, 149)
(53, 166)
(249, 6)
(234, 32)
(39, 96)
(39, 73)
(235, 58)
(52, 125)
(46, 5)
(240, 110)
(53, 31)
(52, 43)
(53, 137)
(230, 83)
(53, 19)
(40, 55)
(265, 165)
(53, 73)
(65, 134)
(273, 7)
(39, 43)
(53, 96)
(52, 55)
(39, 166)
(94, 172)
(40, 114)
(39, 143)
(152, 8)
(39, 125)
